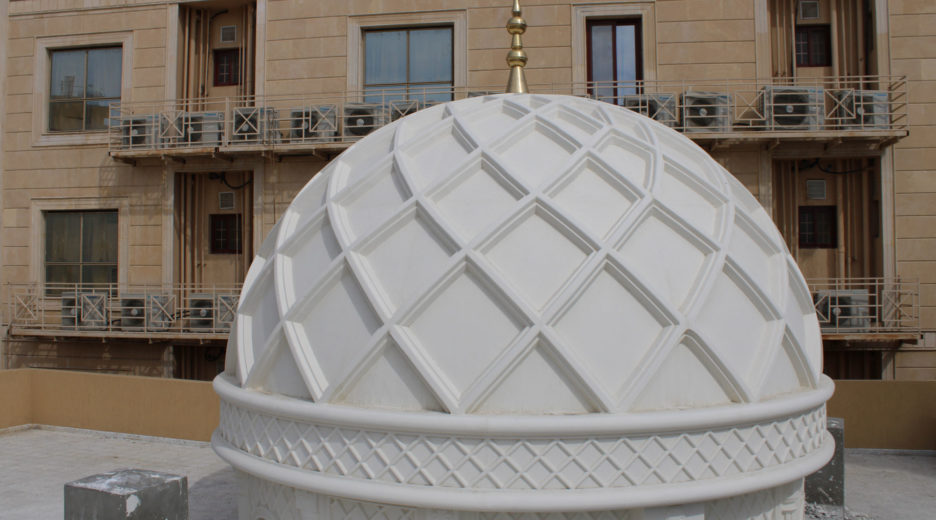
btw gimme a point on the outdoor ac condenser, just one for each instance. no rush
(792, 108)
(659, 107)
(360, 119)
(706, 112)
(862, 109)
(313, 124)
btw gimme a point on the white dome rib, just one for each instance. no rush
(529, 255)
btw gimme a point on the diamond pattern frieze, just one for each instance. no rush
(558, 463)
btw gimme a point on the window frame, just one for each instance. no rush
(815, 210)
(80, 263)
(634, 22)
(825, 32)
(643, 11)
(42, 79)
(235, 73)
(407, 86)
(357, 25)
(85, 98)
(41, 205)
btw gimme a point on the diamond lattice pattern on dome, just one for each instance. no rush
(525, 254)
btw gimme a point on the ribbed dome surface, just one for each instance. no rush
(525, 254)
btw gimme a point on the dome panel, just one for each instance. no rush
(306, 257)
(435, 157)
(611, 327)
(666, 254)
(493, 120)
(535, 153)
(537, 255)
(684, 380)
(464, 326)
(336, 323)
(579, 126)
(406, 256)
(757, 256)
(593, 195)
(698, 205)
(372, 202)
(475, 198)
(631, 159)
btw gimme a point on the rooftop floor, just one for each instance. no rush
(36, 464)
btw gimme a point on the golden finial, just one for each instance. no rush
(517, 57)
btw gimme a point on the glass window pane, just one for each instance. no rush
(63, 235)
(602, 56)
(384, 57)
(62, 274)
(626, 56)
(104, 72)
(96, 113)
(66, 116)
(99, 274)
(99, 237)
(430, 55)
(383, 95)
(68, 74)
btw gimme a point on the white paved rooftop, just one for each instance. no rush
(35, 464)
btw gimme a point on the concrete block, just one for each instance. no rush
(827, 486)
(130, 494)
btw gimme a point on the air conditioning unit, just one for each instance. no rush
(313, 124)
(253, 125)
(402, 108)
(202, 128)
(84, 311)
(146, 312)
(200, 312)
(844, 310)
(792, 108)
(706, 112)
(659, 107)
(360, 119)
(138, 132)
(862, 109)
(226, 310)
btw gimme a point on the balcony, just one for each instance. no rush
(867, 309)
(181, 312)
(869, 109)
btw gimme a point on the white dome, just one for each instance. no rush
(525, 254)
(524, 303)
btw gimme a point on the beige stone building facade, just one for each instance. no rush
(148, 146)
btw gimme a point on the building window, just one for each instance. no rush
(813, 46)
(413, 63)
(808, 10)
(818, 227)
(84, 83)
(226, 67)
(614, 57)
(81, 247)
(225, 234)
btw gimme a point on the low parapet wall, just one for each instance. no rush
(127, 404)
(878, 414)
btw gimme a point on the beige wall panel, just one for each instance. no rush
(19, 84)
(535, 76)
(15, 272)
(920, 137)
(51, 179)
(886, 414)
(915, 203)
(924, 270)
(720, 52)
(306, 48)
(928, 318)
(915, 227)
(149, 77)
(14, 218)
(18, 104)
(15, 255)
(715, 71)
(145, 235)
(20, 66)
(497, 38)
(911, 24)
(20, 47)
(920, 47)
(680, 10)
(535, 15)
(148, 38)
(707, 31)
(144, 274)
(913, 159)
(915, 374)
(922, 91)
(13, 236)
(489, 59)
(305, 86)
(928, 293)
(290, 29)
(922, 113)
(145, 255)
(915, 181)
(911, 249)
(149, 57)
(915, 359)
(912, 6)
(306, 68)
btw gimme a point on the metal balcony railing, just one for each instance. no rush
(197, 312)
(867, 305)
(859, 106)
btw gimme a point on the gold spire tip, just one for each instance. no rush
(516, 58)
